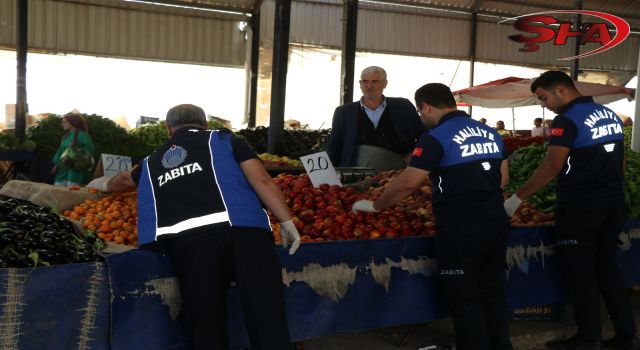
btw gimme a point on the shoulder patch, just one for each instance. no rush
(557, 131)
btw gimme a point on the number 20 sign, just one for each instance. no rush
(320, 169)
(113, 164)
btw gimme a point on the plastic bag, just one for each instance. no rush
(77, 159)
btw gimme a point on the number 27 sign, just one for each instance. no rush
(320, 169)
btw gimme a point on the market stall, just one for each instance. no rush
(355, 271)
(330, 288)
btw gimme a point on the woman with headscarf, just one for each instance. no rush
(76, 135)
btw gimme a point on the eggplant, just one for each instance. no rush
(6, 208)
(47, 219)
(7, 237)
(27, 224)
(50, 234)
(45, 254)
(22, 248)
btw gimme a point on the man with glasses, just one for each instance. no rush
(377, 131)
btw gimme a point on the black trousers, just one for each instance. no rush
(471, 273)
(587, 236)
(206, 263)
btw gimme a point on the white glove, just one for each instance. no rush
(512, 204)
(100, 183)
(289, 234)
(363, 205)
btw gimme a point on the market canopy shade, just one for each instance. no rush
(515, 92)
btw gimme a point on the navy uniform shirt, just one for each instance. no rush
(463, 157)
(594, 135)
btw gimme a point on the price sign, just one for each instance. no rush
(113, 164)
(320, 169)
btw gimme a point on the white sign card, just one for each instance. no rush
(113, 164)
(320, 169)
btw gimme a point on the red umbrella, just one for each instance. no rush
(515, 92)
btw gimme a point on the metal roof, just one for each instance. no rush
(244, 6)
(627, 9)
(206, 31)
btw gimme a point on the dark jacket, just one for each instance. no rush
(343, 142)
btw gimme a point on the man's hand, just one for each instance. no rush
(512, 204)
(289, 234)
(363, 205)
(100, 184)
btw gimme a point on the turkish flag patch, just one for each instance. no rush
(417, 152)
(557, 132)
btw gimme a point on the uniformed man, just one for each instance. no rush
(201, 196)
(586, 153)
(465, 160)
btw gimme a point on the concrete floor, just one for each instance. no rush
(525, 335)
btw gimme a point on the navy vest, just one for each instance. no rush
(594, 165)
(194, 182)
(466, 181)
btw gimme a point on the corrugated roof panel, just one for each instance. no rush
(621, 57)
(267, 18)
(412, 7)
(7, 19)
(627, 9)
(452, 4)
(412, 34)
(316, 24)
(614, 6)
(238, 4)
(391, 28)
(68, 27)
(508, 9)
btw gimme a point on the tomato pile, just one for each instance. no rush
(324, 213)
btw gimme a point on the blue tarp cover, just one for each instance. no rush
(132, 300)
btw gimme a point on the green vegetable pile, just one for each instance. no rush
(107, 137)
(521, 166)
(110, 138)
(526, 160)
(10, 142)
(152, 135)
